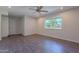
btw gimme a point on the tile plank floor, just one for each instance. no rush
(36, 44)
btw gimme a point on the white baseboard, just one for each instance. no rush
(28, 34)
(59, 38)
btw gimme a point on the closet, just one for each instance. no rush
(11, 25)
(15, 25)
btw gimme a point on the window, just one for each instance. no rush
(53, 23)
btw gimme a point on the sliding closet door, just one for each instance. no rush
(0, 26)
(12, 26)
(15, 25)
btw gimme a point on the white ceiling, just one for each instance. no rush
(27, 10)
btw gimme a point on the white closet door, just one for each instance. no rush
(12, 26)
(0, 26)
(15, 25)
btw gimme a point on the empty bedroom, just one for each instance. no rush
(39, 29)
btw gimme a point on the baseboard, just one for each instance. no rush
(50, 37)
(3, 37)
(14, 35)
(58, 38)
(29, 34)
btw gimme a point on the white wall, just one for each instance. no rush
(25, 25)
(0, 26)
(15, 25)
(70, 30)
(2, 12)
(29, 25)
(4, 26)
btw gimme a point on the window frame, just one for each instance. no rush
(52, 27)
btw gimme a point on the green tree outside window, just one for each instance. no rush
(53, 23)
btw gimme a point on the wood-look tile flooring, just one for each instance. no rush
(36, 44)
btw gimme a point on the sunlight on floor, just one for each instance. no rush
(52, 47)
